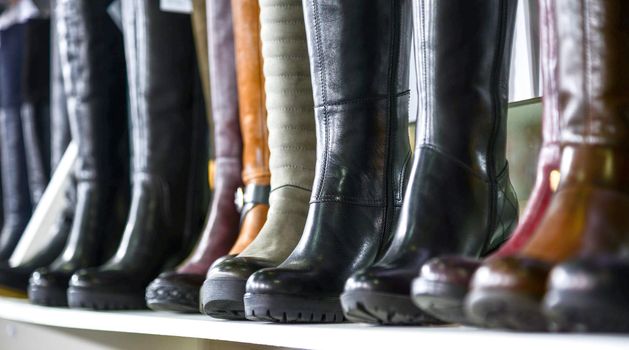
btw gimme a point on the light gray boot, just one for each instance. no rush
(292, 141)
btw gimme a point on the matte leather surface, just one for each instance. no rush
(167, 152)
(91, 54)
(358, 59)
(255, 152)
(459, 198)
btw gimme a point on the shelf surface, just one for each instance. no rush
(324, 336)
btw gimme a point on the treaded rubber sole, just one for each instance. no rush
(383, 308)
(47, 296)
(444, 301)
(83, 298)
(223, 298)
(593, 311)
(505, 310)
(292, 309)
(171, 297)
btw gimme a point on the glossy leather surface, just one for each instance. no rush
(167, 153)
(221, 229)
(587, 215)
(255, 151)
(16, 278)
(358, 54)
(459, 270)
(35, 111)
(91, 54)
(459, 199)
(15, 187)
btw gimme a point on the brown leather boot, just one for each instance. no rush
(587, 217)
(256, 176)
(179, 290)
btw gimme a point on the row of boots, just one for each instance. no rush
(320, 211)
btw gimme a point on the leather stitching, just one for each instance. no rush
(324, 92)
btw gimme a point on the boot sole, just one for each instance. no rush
(47, 296)
(505, 310)
(292, 309)
(593, 311)
(383, 308)
(83, 298)
(168, 297)
(444, 301)
(223, 298)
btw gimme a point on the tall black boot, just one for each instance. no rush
(92, 56)
(15, 278)
(459, 199)
(16, 197)
(35, 110)
(359, 54)
(168, 151)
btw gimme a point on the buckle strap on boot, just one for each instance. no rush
(252, 195)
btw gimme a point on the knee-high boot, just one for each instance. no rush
(359, 54)
(91, 53)
(169, 155)
(179, 290)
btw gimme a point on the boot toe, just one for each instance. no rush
(285, 281)
(507, 293)
(48, 287)
(237, 268)
(380, 294)
(99, 289)
(589, 295)
(172, 291)
(45, 278)
(105, 280)
(442, 286)
(223, 290)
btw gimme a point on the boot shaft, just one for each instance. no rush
(246, 21)
(593, 78)
(359, 66)
(289, 101)
(160, 88)
(463, 72)
(59, 123)
(548, 45)
(91, 52)
(223, 83)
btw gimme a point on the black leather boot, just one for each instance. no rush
(359, 63)
(16, 278)
(35, 110)
(459, 199)
(92, 56)
(167, 154)
(16, 197)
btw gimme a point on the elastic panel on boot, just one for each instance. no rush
(291, 125)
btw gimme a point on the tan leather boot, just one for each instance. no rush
(255, 158)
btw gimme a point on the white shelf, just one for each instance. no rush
(330, 336)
